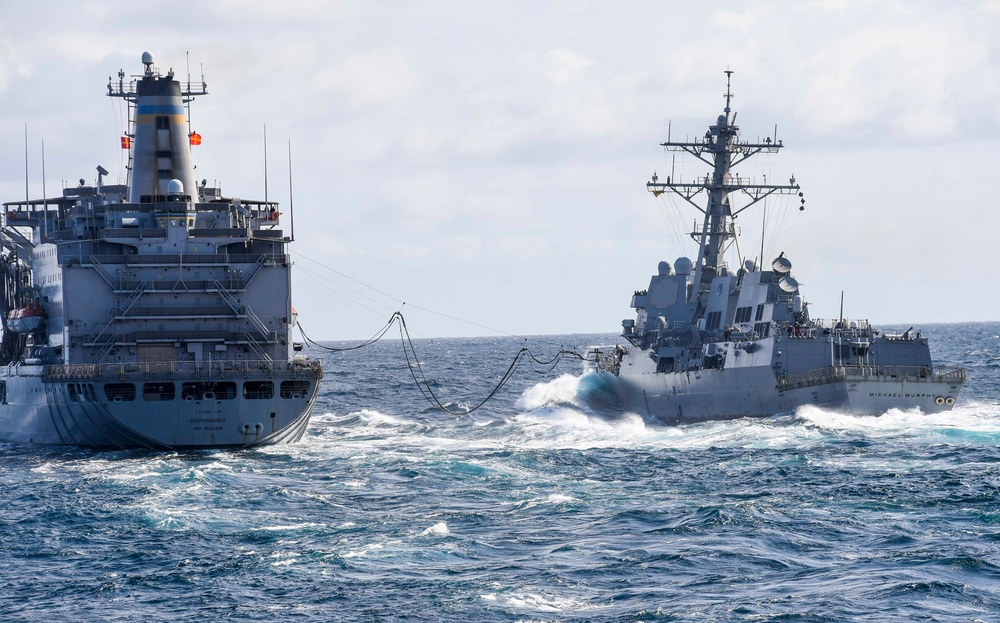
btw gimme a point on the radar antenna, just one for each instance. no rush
(722, 150)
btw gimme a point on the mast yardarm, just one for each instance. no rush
(722, 150)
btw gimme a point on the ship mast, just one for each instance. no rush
(722, 150)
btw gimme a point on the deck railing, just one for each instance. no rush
(140, 371)
(833, 374)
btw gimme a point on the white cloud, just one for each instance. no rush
(525, 247)
(11, 63)
(563, 65)
(372, 78)
(916, 79)
(743, 21)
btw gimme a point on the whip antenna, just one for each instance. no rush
(291, 203)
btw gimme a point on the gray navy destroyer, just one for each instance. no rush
(155, 313)
(709, 342)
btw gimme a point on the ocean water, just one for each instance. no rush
(545, 505)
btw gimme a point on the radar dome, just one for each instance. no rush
(175, 187)
(788, 284)
(683, 266)
(722, 120)
(749, 266)
(665, 269)
(147, 58)
(781, 264)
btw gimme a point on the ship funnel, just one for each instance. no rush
(161, 150)
(782, 265)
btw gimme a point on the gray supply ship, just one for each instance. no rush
(709, 342)
(155, 313)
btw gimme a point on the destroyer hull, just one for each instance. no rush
(100, 411)
(698, 396)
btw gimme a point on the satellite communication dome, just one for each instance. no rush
(781, 264)
(175, 187)
(749, 266)
(147, 58)
(683, 266)
(788, 284)
(664, 269)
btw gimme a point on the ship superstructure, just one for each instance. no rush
(154, 313)
(711, 342)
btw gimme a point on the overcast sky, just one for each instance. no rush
(488, 160)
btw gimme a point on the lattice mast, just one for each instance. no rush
(722, 150)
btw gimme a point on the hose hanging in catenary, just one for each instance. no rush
(417, 372)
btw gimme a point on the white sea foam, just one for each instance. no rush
(570, 428)
(371, 417)
(363, 551)
(538, 602)
(982, 419)
(438, 529)
(324, 417)
(559, 498)
(563, 390)
(293, 527)
(551, 499)
(283, 559)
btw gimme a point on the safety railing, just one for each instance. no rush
(833, 374)
(138, 371)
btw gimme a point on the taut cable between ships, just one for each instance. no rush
(417, 372)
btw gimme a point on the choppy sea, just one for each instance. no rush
(545, 505)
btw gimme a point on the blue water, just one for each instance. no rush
(544, 506)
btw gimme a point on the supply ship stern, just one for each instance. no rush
(155, 313)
